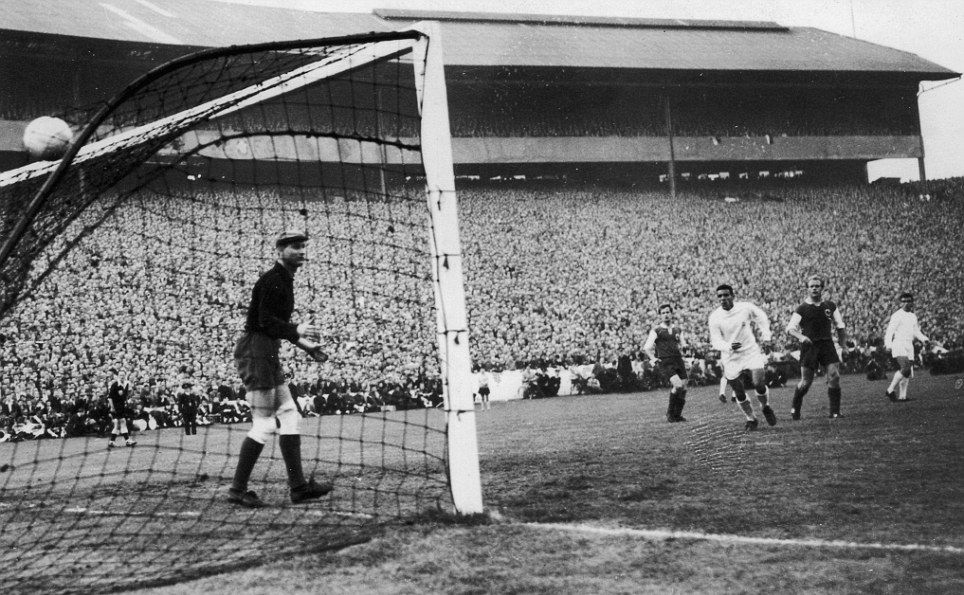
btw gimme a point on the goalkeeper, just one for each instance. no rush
(256, 356)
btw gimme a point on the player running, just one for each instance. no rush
(732, 334)
(663, 348)
(902, 330)
(813, 324)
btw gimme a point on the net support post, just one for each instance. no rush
(452, 324)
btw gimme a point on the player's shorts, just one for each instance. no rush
(484, 391)
(748, 358)
(902, 350)
(256, 358)
(818, 353)
(267, 402)
(672, 366)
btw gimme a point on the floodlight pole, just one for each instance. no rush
(671, 169)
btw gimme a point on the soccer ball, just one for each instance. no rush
(47, 138)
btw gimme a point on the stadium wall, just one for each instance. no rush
(649, 149)
(570, 149)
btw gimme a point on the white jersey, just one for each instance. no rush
(901, 331)
(736, 326)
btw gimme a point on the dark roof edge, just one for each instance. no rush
(938, 69)
(391, 14)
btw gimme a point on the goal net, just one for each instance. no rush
(137, 253)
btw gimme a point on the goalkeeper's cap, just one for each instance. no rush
(290, 236)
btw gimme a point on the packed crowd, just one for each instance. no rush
(564, 276)
(555, 276)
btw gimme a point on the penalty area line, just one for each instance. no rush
(665, 534)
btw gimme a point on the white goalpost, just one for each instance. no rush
(447, 272)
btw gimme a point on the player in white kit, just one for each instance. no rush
(902, 330)
(732, 333)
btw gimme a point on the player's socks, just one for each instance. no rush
(671, 407)
(797, 402)
(833, 394)
(895, 381)
(290, 445)
(301, 490)
(764, 397)
(680, 403)
(747, 408)
(903, 389)
(250, 451)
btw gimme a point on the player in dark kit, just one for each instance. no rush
(117, 394)
(813, 324)
(662, 347)
(187, 404)
(256, 357)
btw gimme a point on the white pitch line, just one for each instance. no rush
(189, 513)
(664, 534)
(80, 510)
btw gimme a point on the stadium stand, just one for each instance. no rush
(556, 276)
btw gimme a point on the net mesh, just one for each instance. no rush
(141, 259)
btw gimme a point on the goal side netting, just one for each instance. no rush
(137, 254)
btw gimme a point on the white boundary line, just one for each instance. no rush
(665, 534)
(94, 512)
(182, 513)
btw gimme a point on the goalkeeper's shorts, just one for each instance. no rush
(256, 358)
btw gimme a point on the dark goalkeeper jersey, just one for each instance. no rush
(272, 303)
(816, 320)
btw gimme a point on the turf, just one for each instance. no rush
(872, 502)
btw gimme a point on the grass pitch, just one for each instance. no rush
(589, 494)
(598, 494)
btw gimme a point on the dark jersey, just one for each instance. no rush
(187, 401)
(272, 303)
(816, 320)
(118, 397)
(667, 342)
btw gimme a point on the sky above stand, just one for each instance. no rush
(932, 29)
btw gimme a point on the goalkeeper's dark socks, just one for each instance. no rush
(290, 445)
(833, 394)
(250, 451)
